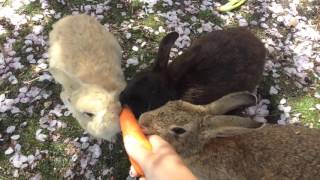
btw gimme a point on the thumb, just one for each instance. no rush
(136, 150)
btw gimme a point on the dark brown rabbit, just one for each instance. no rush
(216, 64)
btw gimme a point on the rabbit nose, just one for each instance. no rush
(146, 128)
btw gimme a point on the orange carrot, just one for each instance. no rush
(129, 126)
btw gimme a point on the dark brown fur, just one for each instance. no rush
(216, 64)
(228, 61)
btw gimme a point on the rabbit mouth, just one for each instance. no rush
(148, 130)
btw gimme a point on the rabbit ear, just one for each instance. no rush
(226, 126)
(221, 106)
(68, 82)
(230, 102)
(164, 51)
(189, 107)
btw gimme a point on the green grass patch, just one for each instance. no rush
(3, 37)
(135, 5)
(260, 33)
(58, 158)
(48, 27)
(264, 87)
(251, 17)
(73, 128)
(302, 105)
(28, 137)
(116, 158)
(32, 8)
(151, 21)
(17, 46)
(207, 15)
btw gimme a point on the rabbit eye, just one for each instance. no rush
(89, 114)
(178, 130)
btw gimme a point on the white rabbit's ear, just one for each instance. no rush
(226, 126)
(68, 82)
(166, 43)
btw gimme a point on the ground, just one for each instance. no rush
(39, 139)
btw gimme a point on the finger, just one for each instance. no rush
(135, 149)
(133, 172)
(159, 143)
(142, 178)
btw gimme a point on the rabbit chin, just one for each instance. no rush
(105, 128)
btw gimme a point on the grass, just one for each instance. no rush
(207, 15)
(151, 21)
(31, 9)
(57, 161)
(303, 105)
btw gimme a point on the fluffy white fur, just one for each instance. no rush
(86, 60)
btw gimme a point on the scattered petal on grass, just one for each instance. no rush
(84, 139)
(18, 160)
(17, 147)
(273, 90)
(85, 145)
(15, 173)
(10, 129)
(15, 137)
(45, 77)
(287, 109)
(133, 61)
(24, 124)
(291, 39)
(9, 151)
(283, 101)
(135, 48)
(68, 173)
(31, 159)
(95, 150)
(243, 22)
(38, 29)
(84, 163)
(2, 97)
(74, 157)
(128, 35)
(36, 177)
(41, 137)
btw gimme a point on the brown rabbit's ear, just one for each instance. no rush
(164, 51)
(230, 102)
(226, 126)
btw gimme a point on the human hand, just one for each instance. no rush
(162, 163)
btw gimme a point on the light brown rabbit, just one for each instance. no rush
(217, 146)
(86, 60)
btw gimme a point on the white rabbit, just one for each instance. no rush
(86, 60)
